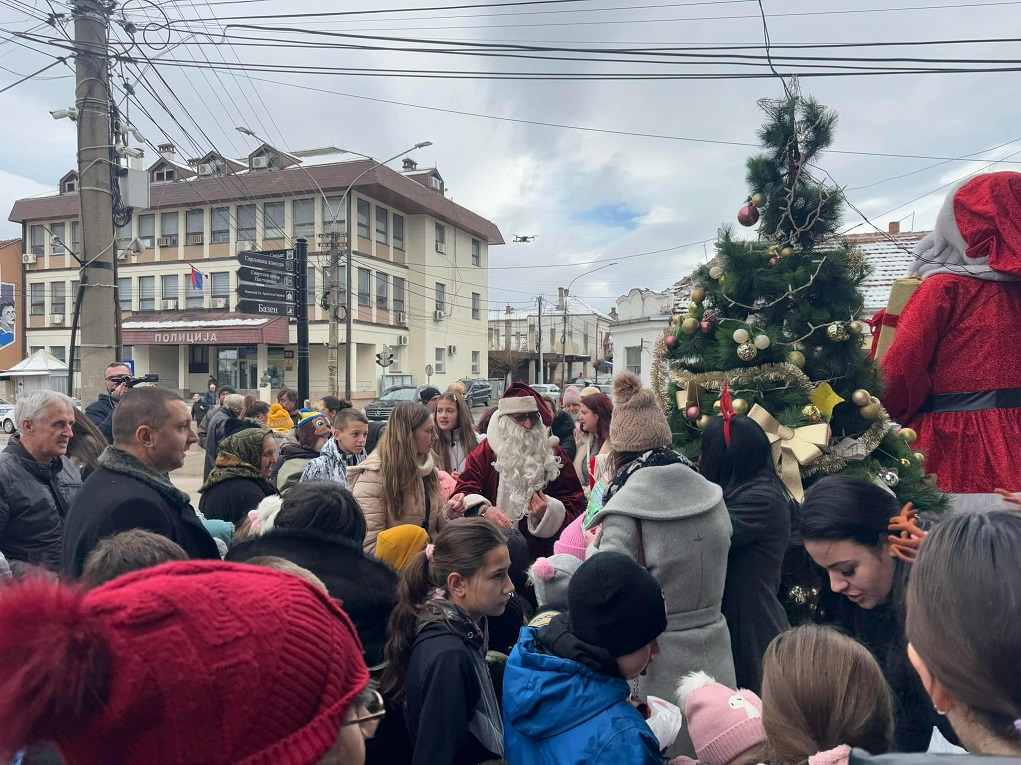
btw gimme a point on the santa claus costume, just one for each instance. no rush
(510, 466)
(953, 372)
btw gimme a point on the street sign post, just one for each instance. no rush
(271, 294)
(261, 308)
(249, 275)
(269, 260)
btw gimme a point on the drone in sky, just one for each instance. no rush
(525, 239)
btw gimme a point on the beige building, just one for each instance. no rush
(419, 285)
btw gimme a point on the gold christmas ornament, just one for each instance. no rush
(689, 326)
(908, 435)
(855, 327)
(861, 397)
(871, 411)
(919, 457)
(812, 413)
(717, 407)
(715, 272)
(697, 296)
(758, 199)
(905, 462)
(761, 342)
(703, 421)
(741, 335)
(692, 307)
(825, 398)
(786, 252)
(747, 351)
(740, 406)
(797, 358)
(677, 319)
(837, 333)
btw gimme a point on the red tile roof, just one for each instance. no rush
(380, 183)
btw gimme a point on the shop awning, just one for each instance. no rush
(203, 328)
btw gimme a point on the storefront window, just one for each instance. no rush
(275, 366)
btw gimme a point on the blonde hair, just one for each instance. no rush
(822, 689)
(465, 424)
(398, 457)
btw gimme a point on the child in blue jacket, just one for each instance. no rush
(566, 698)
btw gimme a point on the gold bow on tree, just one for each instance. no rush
(792, 447)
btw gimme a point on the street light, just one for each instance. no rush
(563, 336)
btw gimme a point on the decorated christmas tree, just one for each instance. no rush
(779, 320)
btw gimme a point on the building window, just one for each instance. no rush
(193, 298)
(169, 229)
(476, 252)
(57, 231)
(123, 236)
(220, 233)
(476, 365)
(441, 237)
(220, 290)
(633, 359)
(57, 304)
(441, 356)
(198, 359)
(303, 218)
(382, 291)
(37, 244)
(363, 218)
(58, 352)
(335, 214)
(399, 294)
(194, 226)
(70, 185)
(37, 299)
(76, 237)
(441, 297)
(398, 232)
(310, 285)
(273, 220)
(146, 293)
(163, 174)
(124, 293)
(168, 287)
(34, 348)
(364, 285)
(476, 306)
(147, 230)
(246, 223)
(382, 225)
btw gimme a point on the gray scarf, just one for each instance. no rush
(119, 461)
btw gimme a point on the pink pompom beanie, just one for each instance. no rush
(722, 722)
(550, 577)
(572, 540)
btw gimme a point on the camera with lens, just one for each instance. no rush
(130, 382)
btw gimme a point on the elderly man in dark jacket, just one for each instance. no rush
(37, 482)
(130, 489)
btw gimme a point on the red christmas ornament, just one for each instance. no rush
(706, 327)
(772, 261)
(670, 341)
(748, 215)
(693, 413)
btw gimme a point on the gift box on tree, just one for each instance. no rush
(884, 323)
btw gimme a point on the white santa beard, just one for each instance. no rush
(526, 463)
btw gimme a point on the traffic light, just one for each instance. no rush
(385, 357)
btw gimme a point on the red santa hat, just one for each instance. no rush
(977, 231)
(521, 399)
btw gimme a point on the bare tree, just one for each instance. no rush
(505, 362)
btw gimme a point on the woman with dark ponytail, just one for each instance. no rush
(437, 643)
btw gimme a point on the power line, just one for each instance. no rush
(30, 76)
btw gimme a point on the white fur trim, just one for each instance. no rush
(551, 521)
(553, 440)
(491, 432)
(518, 405)
(689, 684)
(476, 500)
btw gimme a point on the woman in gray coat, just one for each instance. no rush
(670, 519)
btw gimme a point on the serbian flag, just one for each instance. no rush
(197, 279)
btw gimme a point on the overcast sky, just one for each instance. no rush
(586, 196)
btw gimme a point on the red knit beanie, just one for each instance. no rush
(189, 662)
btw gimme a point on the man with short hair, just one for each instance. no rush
(130, 489)
(100, 411)
(288, 399)
(517, 478)
(430, 397)
(207, 421)
(37, 481)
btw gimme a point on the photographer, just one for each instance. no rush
(100, 411)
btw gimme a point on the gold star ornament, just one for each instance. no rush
(825, 399)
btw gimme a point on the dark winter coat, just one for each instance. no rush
(100, 412)
(761, 519)
(563, 428)
(34, 500)
(230, 500)
(213, 437)
(366, 586)
(122, 494)
(293, 460)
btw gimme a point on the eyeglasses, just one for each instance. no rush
(370, 702)
(521, 419)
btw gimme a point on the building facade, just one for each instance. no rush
(419, 265)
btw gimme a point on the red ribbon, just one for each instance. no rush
(727, 410)
(876, 323)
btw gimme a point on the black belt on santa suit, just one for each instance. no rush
(1005, 398)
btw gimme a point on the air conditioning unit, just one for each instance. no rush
(451, 350)
(207, 168)
(438, 315)
(56, 318)
(219, 302)
(163, 241)
(260, 163)
(402, 340)
(246, 246)
(195, 239)
(29, 258)
(441, 247)
(402, 318)
(169, 304)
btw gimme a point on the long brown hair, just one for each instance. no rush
(963, 600)
(465, 427)
(86, 445)
(460, 548)
(398, 458)
(602, 407)
(822, 689)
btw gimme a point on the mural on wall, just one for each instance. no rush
(8, 315)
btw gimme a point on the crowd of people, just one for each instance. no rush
(552, 584)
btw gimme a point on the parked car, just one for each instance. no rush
(380, 409)
(607, 389)
(477, 392)
(553, 390)
(7, 416)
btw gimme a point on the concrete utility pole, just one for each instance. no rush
(100, 312)
(540, 377)
(333, 238)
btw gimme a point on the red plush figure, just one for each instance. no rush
(953, 372)
(518, 478)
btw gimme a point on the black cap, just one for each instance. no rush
(226, 389)
(428, 393)
(615, 604)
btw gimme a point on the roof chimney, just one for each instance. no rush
(168, 151)
(410, 165)
(613, 313)
(895, 227)
(509, 310)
